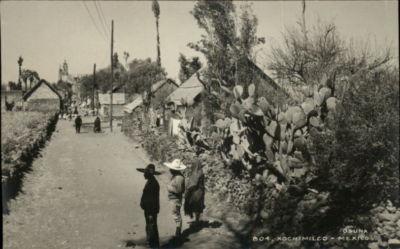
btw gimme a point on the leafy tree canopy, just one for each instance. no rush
(137, 78)
(223, 45)
(14, 86)
(188, 67)
(321, 55)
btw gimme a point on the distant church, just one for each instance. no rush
(64, 76)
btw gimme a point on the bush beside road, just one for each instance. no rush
(23, 134)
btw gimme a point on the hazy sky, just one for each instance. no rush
(47, 32)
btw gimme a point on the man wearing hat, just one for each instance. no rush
(150, 203)
(175, 188)
(78, 124)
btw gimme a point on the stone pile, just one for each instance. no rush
(386, 218)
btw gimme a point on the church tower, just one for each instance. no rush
(63, 74)
(65, 67)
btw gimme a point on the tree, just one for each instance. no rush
(356, 151)
(247, 41)
(138, 78)
(103, 78)
(65, 87)
(142, 74)
(360, 155)
(116, 60)
(14, 86)
(126, 56)
(321, 57)
(217, 19)
(227, 50)
(248, 38)
(156, 10)
(20, 60)
(29, 75)
(188, 67)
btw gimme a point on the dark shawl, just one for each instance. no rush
(194, 197)
(150, 201)
(78, 121)
(97, 124)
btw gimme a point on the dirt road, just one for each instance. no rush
(84, 193)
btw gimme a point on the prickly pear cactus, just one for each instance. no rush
(282, 131)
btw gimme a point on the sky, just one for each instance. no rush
(45, 33)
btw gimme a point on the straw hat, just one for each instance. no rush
(176, 164)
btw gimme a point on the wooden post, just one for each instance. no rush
(303, 17)
(112, 74)
(94, 85)
(236, 73)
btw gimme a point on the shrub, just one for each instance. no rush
(358, 161)
(21, 134)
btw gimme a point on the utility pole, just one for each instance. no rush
(303, 17)
(94, 84)
(112, 74)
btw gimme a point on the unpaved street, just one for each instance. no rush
(84, 192)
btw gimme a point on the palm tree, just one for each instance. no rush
(126, 56)
(28, 75)
(20, 60)
(156, 11)
(25, 73)
(31, 78)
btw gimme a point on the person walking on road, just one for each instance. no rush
(97, 125)
(195, 190)
(150, 203)
(78, 124)
(158, 119)
(175, 188)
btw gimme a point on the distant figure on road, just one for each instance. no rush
(195, 190)
(97, 125)
(150, 203)
(78, 124)
(158, 120)
(175, 188)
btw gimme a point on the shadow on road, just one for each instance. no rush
(243, 229)
(242, 232)
(176, 243)
(134, 243)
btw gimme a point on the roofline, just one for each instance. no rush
(172, 81)
(267, 78)
(29, 93)
(116, 88)
(168, 98)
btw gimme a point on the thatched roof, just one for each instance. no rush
(134, 104)
(159, 84)
(138, 100)
(154, 87)
(188, 91)
(266, 78)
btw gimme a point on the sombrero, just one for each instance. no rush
(150, 169)
(176, 164)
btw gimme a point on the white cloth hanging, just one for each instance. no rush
(174, 126)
